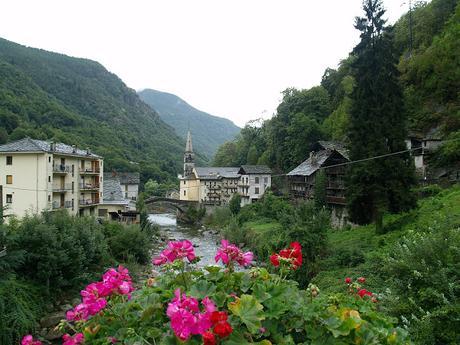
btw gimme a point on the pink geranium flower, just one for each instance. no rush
(77, 339)
(229, 253)
(29, 340)
(186, 317)
(176, 250)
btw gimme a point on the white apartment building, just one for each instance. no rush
(37, 175)
(254, 181)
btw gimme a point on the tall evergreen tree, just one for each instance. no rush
(377, 125)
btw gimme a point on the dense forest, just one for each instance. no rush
(47, 95)
(208, 131)
(429, 67)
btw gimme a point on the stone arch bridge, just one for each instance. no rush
(180, 205)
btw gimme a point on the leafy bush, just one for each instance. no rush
(20, 307)
(55, 249)
(424, 270)
(128, 242)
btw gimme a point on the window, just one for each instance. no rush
(49, 178)
(256, 190)
(185, 192)
(9, 198)
(265, 180)
(49, 198)
(9, 179)
(184, 182)
(102, 212)
(9, 160)
(257, 179)
(126, 195)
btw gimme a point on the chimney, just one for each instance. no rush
(52, 146)
(312, 158)
(88, 151)
(74, 149)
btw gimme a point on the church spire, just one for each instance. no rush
(188, 145)
(189, 157)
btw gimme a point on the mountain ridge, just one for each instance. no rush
(208, 131)
(47, 95)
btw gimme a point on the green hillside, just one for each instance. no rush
(47, 95)
(209, 132)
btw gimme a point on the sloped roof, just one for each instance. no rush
(311, 165)
(254, 169)
(129, 178)
(34, 145)
(216, 173)
(334, 145)
(112, 191)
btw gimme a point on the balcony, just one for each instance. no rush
(87, 202)
(243, 184)
(90, 171)
(62, 188)
(61, 169)
(338, 200)
(89, 186)
(59, 205)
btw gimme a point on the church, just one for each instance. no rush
(215, 186)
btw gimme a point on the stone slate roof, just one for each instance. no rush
(112, 191)
(311, 165)
(254, 169)
(217, 173)
(34, 145)
(333, 145)
(130, 178)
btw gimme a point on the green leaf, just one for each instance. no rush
(249, 310)
(201, 289)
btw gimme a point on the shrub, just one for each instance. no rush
(235, 204)
(20, 308)
(127, 242)
(424, 270)
(56, 249)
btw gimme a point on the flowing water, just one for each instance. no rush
(204, 241)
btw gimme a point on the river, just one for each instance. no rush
(204, 241)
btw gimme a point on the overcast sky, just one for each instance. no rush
(230, 58)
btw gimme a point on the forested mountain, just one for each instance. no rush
(429, 76)
(209, 131)
(47, 95)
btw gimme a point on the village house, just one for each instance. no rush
(215, 186)
(129, 183)
(115, 206)
(422, 148)
(254, 181)
(37, 175)
(325, 155)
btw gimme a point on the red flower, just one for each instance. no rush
(218, 316)
(293, 254)
(361, 280)
(275, 260)
(348, 280)
(223, 329)
(364, 292)
(209, 339)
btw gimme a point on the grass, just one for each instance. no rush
(357, 251)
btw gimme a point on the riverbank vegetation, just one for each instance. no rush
(49, 258)
(412, 263)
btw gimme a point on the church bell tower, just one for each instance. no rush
(189, 156)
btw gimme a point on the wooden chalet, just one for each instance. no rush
(301, 180)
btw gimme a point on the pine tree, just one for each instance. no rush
(319, 195)
(377, 125)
